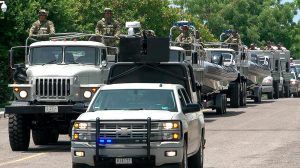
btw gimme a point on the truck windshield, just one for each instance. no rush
(45, 55)
(81, 55)
(226, 54)
(135, 99)
(72, 55)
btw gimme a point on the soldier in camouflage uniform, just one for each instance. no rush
(42, 28)
(107, 26)
(185, 39)
(234, 38)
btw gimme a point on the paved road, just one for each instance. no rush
(259, 136)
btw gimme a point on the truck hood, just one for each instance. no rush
(54, 70)
(127, 115)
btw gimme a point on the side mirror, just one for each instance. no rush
(79, 107)
(103, 63)
(190, 108)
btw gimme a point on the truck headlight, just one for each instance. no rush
(172, 136)
(80, 125)
(171, 125)
(23, 94)
(87, 94)
(171, 131)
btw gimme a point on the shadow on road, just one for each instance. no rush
(252, 103)
(212, 114)
(61, 146)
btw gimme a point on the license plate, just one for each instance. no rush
(123, 161)
(51, 109)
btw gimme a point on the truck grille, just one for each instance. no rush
(53, 88)
(134, 130)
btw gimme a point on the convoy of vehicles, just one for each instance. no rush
(149, 106)
(141, 106)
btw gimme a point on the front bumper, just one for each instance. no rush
(293, 89)
(267, 88)
(26, 108)
(107, 156)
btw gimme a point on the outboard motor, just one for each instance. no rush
(20, 75)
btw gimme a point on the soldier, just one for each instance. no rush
(107, 26)
(234, 38)
(42, 26)
(185, 39)
(269, 46)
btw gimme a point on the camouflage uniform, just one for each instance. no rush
(234, 38)
(44, 27)
(108, 27)
(185, 40)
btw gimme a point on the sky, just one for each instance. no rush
(297, 17)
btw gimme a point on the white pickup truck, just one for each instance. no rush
(139, 124)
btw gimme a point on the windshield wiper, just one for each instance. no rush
(49, 62)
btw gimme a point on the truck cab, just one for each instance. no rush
(56, 77)
(139, 124)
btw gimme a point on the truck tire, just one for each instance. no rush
(259, 94)
(221, 103)
(53, 136)
(40, 136)
(287, 91)
(270, 95)
(197, 160)
(243, 96)
(276, 89)
(19, 132)
(235, 94)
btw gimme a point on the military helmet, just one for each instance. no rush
(107, 10)
(43, 12)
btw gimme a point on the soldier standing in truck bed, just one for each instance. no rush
(107, 26)
(42, 26)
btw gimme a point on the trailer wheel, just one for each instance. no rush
(287, 91)
(19, 132)
(220, 104)
(276, 89)
(40, 136)
(235, 94)
(259, 94)
(243, 96)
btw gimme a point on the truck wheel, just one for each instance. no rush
(40, 136)
(287, 91)
(235, 94)
(197, 160)
(184, 163)
(270, 95)
(221, 103)
(53, 136)
(259, 94)
(276, 89)
(19, 132)
(243, 96)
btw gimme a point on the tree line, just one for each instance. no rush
(257, 21)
